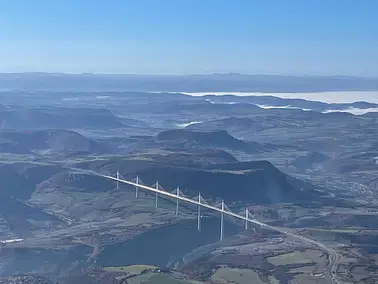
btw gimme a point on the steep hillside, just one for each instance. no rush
(57, 117)
(21, 218)
(66, 181)
(48, 141)
(187, 138)
(19, 180)
(258, 182)
(196, 158)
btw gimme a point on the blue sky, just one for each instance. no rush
(322, 37)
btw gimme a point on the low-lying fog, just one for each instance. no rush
(327, 97)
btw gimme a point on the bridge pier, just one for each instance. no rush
(222, 222)
(177, 200)
(246, 219)
(199, 213)
(117, 175)
(136, 187)
(156, 194)
(212, 207)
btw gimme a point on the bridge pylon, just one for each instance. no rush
(224, 210)
(177, 200)
(117, 175)
(156, 194)
(199, 213)
(222, 222)
(136, 187)
(246, 219)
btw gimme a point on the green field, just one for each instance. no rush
(151, 277)
(141, 278)
(235, 275)
(290, 258)
(165, 279)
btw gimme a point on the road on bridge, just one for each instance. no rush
(332, 254)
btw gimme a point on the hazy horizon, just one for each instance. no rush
(195, 74)
(190, 37)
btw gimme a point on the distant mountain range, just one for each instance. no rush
(192, 83)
